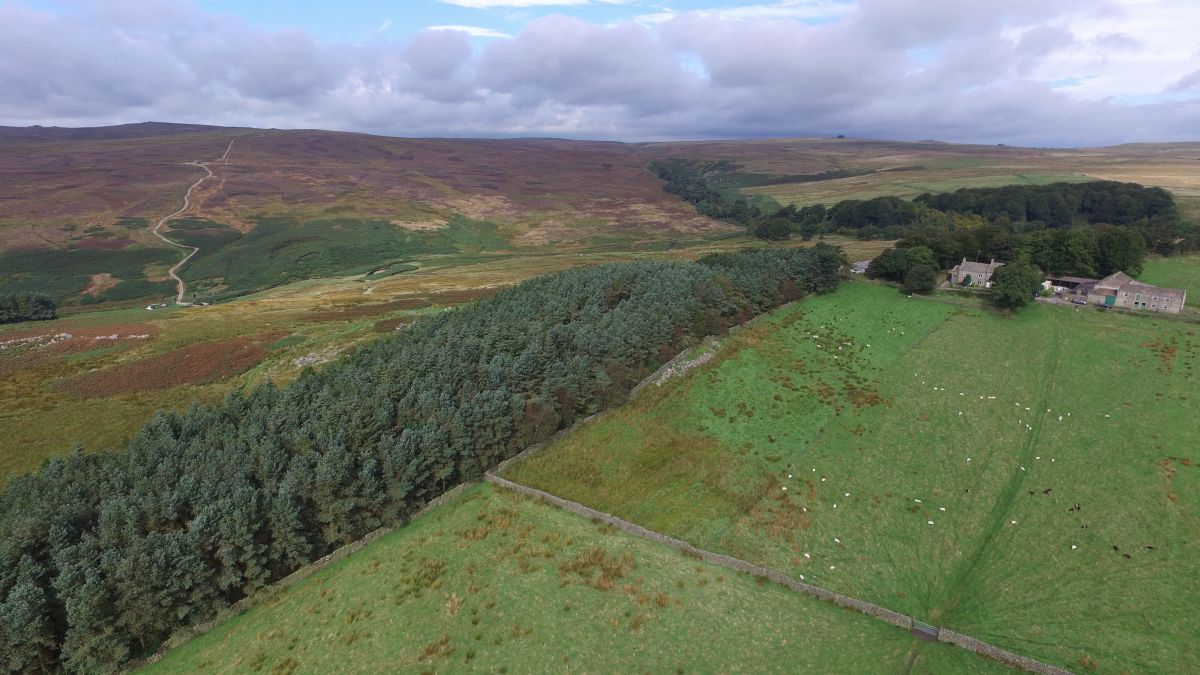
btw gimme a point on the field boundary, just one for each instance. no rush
(738, 565)
(667, 371)
(249, 602)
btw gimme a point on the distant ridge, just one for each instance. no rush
(118, 132)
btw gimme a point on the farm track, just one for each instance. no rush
(1004, 501)
(180, 285)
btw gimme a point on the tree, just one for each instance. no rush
(891, 264)
(1119, 250)
(921, 279)
(1015, 284)
(774, 229)
(918, 256)
(16, 307)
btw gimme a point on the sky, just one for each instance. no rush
(1022, 72)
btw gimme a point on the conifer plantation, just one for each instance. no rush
(103, 556)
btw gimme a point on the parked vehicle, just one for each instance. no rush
(1079, 301)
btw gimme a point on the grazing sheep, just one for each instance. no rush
(931, 522)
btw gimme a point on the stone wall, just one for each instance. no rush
(290, 580)
(895, 618)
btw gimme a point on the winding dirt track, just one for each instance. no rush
(180, 286)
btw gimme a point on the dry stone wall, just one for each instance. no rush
(895, 618)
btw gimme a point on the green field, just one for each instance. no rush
(908, 485)
(1175, 272)
(494, 582)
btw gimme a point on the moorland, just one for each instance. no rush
(1024, 477)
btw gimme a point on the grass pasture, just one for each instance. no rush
(890, 472)
(1175, 272)
(494, 582)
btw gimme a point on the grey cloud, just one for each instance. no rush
(695, 75)
(569, 61)
(1189, 82)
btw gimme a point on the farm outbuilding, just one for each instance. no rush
(1121, 290)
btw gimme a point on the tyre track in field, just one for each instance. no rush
(180, 285)
(995, 521)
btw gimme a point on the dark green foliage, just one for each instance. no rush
(104, 555)
(921, 279)
(63, 274)
(1070, 252)
(17, 307)
(1058, 205)
(1119, 250)
(894, 264)
(278, 251)
(774, 229)
(139, 288)
(880, 212)
(1015, 284)
(688, 180)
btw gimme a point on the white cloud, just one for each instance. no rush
(473, 31)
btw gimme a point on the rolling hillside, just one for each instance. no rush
(77, 205)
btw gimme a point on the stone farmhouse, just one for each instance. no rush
(1121, 290)
(974, 273)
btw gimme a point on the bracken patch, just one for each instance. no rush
(194, 364)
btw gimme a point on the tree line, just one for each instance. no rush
(993, 214)
(962, 223)
(18, 307)
(1083, 252)
(689, 180)
(104, 555)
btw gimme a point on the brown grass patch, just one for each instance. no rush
(98, 283)
(596, 568)
(365, 309)
(1165, 350)
(462, 296)
(779, 516)
(194, 364)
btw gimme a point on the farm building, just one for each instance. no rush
(974, 273)
(1121, 290)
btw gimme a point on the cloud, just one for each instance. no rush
(473, 31)
(807, 10)
(1018, 72)
(493, 4)
(1189, 82)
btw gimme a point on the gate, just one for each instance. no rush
(925, 631)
